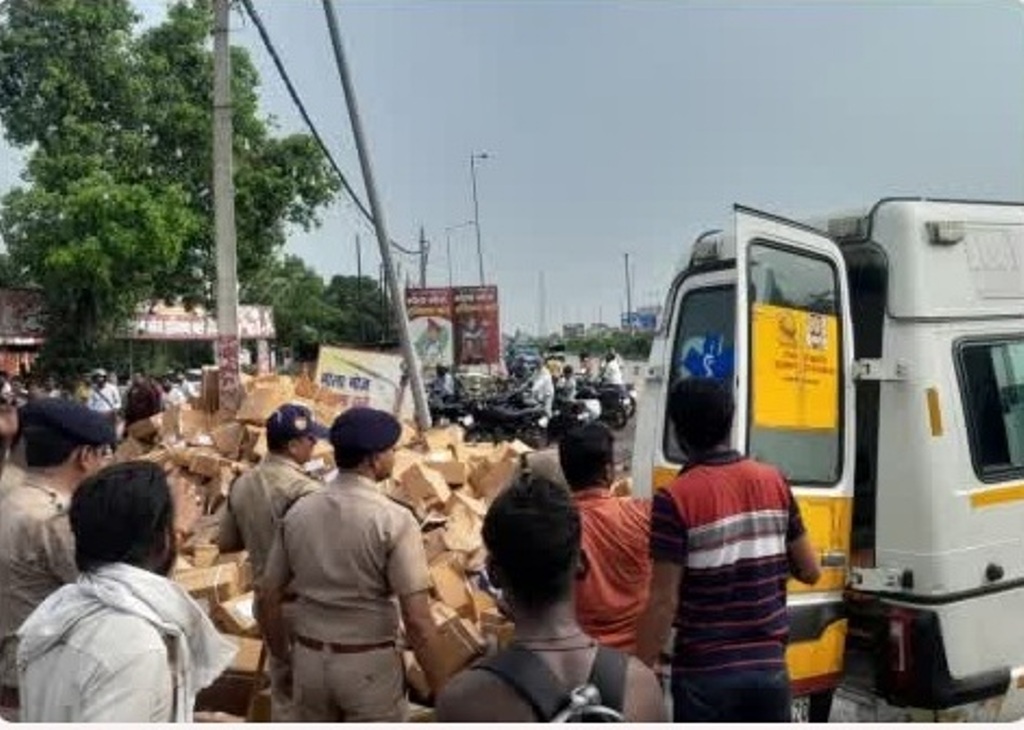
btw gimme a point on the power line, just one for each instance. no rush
(297, 100)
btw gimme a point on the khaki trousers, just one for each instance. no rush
(364, 687)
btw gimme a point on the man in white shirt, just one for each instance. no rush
(612, 374)
(99, 650)
(104, 398)
(543, 389)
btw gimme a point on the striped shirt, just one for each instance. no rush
(727, 521)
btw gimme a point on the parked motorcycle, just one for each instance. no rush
(508, 417)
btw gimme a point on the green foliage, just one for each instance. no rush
(118, 207)
(630, 347)
(308, 312)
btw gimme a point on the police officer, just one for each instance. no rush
(260, 498)
(345, 552)
(64, 443)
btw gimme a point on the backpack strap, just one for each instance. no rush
(530, 677)
(609, 676)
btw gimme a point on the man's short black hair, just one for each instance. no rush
(349, 459)
(701, 410)
(532, 532)
(277, 445)
(122, 514)
(585, 454)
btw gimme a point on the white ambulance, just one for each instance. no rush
(878, 360)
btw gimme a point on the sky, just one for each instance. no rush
(633, 126)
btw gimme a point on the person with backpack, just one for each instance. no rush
(552, 671)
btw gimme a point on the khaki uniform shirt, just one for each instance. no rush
(257, 501)
(348, 551)
(37, 556)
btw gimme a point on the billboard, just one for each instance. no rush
(430, 325)
(477, 326)
(163, 322)
(361, 377)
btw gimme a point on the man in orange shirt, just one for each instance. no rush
(612, 590)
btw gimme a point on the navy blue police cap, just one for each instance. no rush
(365, 430)
(293, 421)
(67, 419)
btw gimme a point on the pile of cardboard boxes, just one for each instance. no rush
(446, 483)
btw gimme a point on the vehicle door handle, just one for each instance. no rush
(834, 559)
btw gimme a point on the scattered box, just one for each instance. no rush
(426, 484)
(451, 588)
(236, 616)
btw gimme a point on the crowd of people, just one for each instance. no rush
(92, 628)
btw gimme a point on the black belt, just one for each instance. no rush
(9, 698)
(342, 648)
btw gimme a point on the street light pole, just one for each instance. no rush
(448, 247)
(476, 211)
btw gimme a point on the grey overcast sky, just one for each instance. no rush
(633, 126)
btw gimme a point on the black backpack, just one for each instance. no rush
(600, 699)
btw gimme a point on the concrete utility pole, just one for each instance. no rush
(424, 252)
(224, 214)
(412, 364)
(359, 290)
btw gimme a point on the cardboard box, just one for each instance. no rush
(451, 588)
(129, 450)
(465, 498)
(241, 561)
(443, 439)
(409, 435)
(455, 473)
(425, 484)
(236, 616)
(419, 713)
(147, 429)
(228, 439)
(261, 403)
(496, 479)
(247, 660)
(460, 643)
(205, 463)
(192, 423)
(434, 544)
(214, 585)
(404, 460)
(463, 531)
(482, 604)
(442, 614)
(259, 710)
(205, 555)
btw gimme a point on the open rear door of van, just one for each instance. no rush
(795, 409)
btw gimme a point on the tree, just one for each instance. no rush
(117, 207)
(307, 313)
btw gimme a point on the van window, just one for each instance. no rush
(992, 382)
(795, 365)
(703, 346)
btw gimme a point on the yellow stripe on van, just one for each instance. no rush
(997, 496)
(934, 411)
(820, 657)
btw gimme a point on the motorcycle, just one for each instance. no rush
(570, 413)
(507, 417)
(617, 406)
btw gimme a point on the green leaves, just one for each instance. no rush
(118, 205)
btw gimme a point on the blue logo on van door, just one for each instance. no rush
(712, 360)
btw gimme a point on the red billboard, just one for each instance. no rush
(477, 326)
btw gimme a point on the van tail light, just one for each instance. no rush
(901, 657)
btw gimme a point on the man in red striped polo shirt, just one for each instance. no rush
(725, 537)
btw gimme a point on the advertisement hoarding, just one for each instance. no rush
(361, 377)
(430, 326)
(477, 325)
